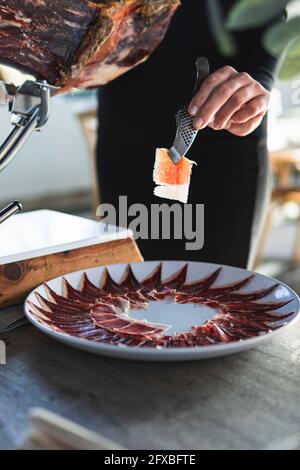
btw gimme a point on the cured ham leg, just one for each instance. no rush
(81, 43)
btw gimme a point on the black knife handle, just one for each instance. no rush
(202, 66)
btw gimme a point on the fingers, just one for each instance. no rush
(230, 100)
(225, 93)
(208, 86)
(240, 100)
(246, 128)
(257, 106)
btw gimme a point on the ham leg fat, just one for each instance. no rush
(81, 43)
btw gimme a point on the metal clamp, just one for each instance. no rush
(9, 210)
(29, 105)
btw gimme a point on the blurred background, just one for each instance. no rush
(55, 169)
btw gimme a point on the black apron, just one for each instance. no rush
(136, 115)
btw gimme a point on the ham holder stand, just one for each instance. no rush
(39, 245)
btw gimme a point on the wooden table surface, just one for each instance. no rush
(242, 401)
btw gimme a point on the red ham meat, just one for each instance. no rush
(81, 43)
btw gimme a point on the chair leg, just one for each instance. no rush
(296, 251)
(264, 236)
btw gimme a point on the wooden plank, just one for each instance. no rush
(18, 279)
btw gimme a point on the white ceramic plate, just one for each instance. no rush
(179, 317)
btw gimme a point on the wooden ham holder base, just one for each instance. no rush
(19, 277)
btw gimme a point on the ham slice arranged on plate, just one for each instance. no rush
(173, 180)
(81, 43)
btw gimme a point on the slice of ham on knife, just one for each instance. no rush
(173, 180)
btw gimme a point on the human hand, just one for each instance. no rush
(230, 100)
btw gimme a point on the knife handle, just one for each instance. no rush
(202, 66)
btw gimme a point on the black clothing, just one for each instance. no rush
(136, 115)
